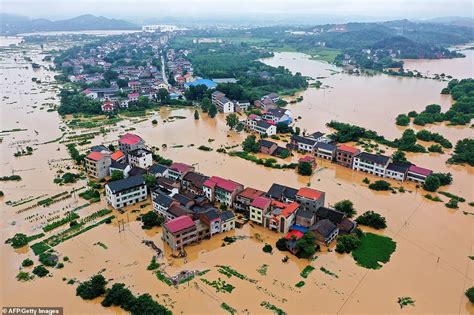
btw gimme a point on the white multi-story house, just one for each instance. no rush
(371, 163)
(303, 144)
(140, 157)
(325, 151)
(222, 103)
(418, 174)
(257, 124)
(125, 192)
(278, 115)
(227, 221)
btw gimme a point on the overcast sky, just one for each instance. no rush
(139, 9)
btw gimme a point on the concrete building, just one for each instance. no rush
(129, 142)
(345, 155)
(258, 208)
(142, 158)
(221, 190)
(310, 199)
(418, 174)
(98, 164)
(183, 231)
(125, 192)
(177, 170)
(371, 163)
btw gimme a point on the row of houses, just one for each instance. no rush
(376, 164)
(187, 200)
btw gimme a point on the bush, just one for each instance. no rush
(306, 246)
(92, 288)
(372, 219)
(23, 276)
(27, 262)
(380, 185)
(366, 181)
(119, 295)
(435, 148)
(40, 271)
(267, 248)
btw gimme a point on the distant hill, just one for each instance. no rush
(11, 24)
(458, 21)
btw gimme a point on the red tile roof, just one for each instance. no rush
(347, 148)
(178, 224)
(294, 234)
(133, 95)
(261, 202)
(251, 193)
(309, 193)
(95, 156)
(117, 155)
(307, 158)
(180, 167)
(225, 184)
(130, 138)
(420, 170)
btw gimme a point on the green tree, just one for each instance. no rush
(346, 206)
(305, 168)
(40, 271)
(402, 120)
(432, 183)
(281, 244)
(372, 219)
(347, 243)
(399, 156)
(27, 262)
(212, 112)
(205, 104)
(267, 248)
(470, 294)
(150, 180)
(250, 144)
(92, 288)
(196, 114)
(19, 240)
(463, 152)
(380, 185)
(119, 295)
(163, 95)
(151, 219)
(232, 120)
(116, 175)
(306, 246)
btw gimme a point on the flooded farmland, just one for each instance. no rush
(431, 263)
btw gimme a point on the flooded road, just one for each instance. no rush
(431, 263)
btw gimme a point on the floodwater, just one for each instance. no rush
(431, 263)
(458, 68)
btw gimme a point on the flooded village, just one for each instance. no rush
(263, 212)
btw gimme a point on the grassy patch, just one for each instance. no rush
(51, 226)
(153, 264)
(163, 278)
(101, 245)
(374, 249)
(220, 285)
(306, 271)
(452, 196)
(229, 272)
(300, 284)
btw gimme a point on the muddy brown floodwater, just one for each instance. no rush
(431, 263)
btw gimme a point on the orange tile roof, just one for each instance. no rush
(286, 209)
(95, 156)
(117, 155)
(309, 193)
(347, 148)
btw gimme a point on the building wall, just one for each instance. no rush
(256, 215)
(228, 225)
(127, 198)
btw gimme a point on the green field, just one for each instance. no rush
(316, 53)
(373, 250)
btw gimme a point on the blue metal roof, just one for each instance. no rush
(299, 228)
(208, 83)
